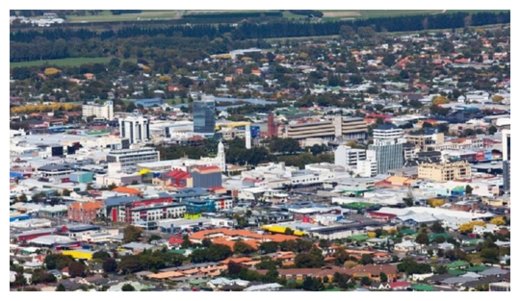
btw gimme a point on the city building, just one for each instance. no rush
(148, 102)
(102, 111)
(272, 129)
(84, 212)
(204, 116)
(388, 147)
(129, 158)
(506, 159)
(348, 157)
(425, 142)
(136, 128)
(206, 176)
(353, 128)
(442, 172)
(350, 128)
(367, 168)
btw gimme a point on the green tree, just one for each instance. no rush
(130, 264)
(127, 287)
(340, 256)
(312, 284)
(308, 260)
(469, 190)
(131, 233)
(437, 227)
(42, 276)
(109, 265)
(365, 281)
(241, 247)
(101, 255)
(366, 259)
(57, 261)
(234, 268)
(268, 247)
(60, 288)
(422, 238)
(383, 277)
(76, 269)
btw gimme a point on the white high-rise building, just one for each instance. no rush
(367, 168)
(105, 111)
(387, 134)
(135, 127)
(348, 157)
(248, 136)
(221, 157)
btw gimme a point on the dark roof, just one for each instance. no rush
(120, 200)
(54, 167)
(386, 126)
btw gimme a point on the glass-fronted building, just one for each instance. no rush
(204, 117)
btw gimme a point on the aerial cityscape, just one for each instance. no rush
(277, 150)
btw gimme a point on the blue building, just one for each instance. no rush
(149, 102)
(204, 117)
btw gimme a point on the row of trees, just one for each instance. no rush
(63, 42)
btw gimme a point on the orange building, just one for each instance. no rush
(84, 212)
(229, 237)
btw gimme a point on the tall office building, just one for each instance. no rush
(204, 116)
(388, 147)
(272, 130)
(221, 157)
(506, 159)
(136, 128)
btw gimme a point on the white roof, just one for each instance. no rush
(439, 213)
(50, 240)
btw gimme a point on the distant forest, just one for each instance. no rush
(63, 41)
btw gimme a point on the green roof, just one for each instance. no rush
(422, 287)
(358, 205)
(458, 264)
(359, 237)
(472, 242)
(407, 232)
(477, 268)
(433, 236)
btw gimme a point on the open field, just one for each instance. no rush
(107, 16)
(67, 62)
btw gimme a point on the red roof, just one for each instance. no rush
(175, 240)
(178, 174)
(207, 169)
(398, 284)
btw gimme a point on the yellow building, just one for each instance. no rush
(442, 172)
(78, 254)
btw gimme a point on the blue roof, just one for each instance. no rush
(190, 192)
(148, 102)
(120, 200)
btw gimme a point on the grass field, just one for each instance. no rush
(107, 16)
(356, 14)
(68, 62)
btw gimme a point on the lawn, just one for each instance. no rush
(357, 14)
(67, 62)
(146, 15)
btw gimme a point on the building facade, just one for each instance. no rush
(204, 117)
(348, 157)
(135, 128)
(443, 172)
(104, 111)
(129, 158)
(506, 159)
